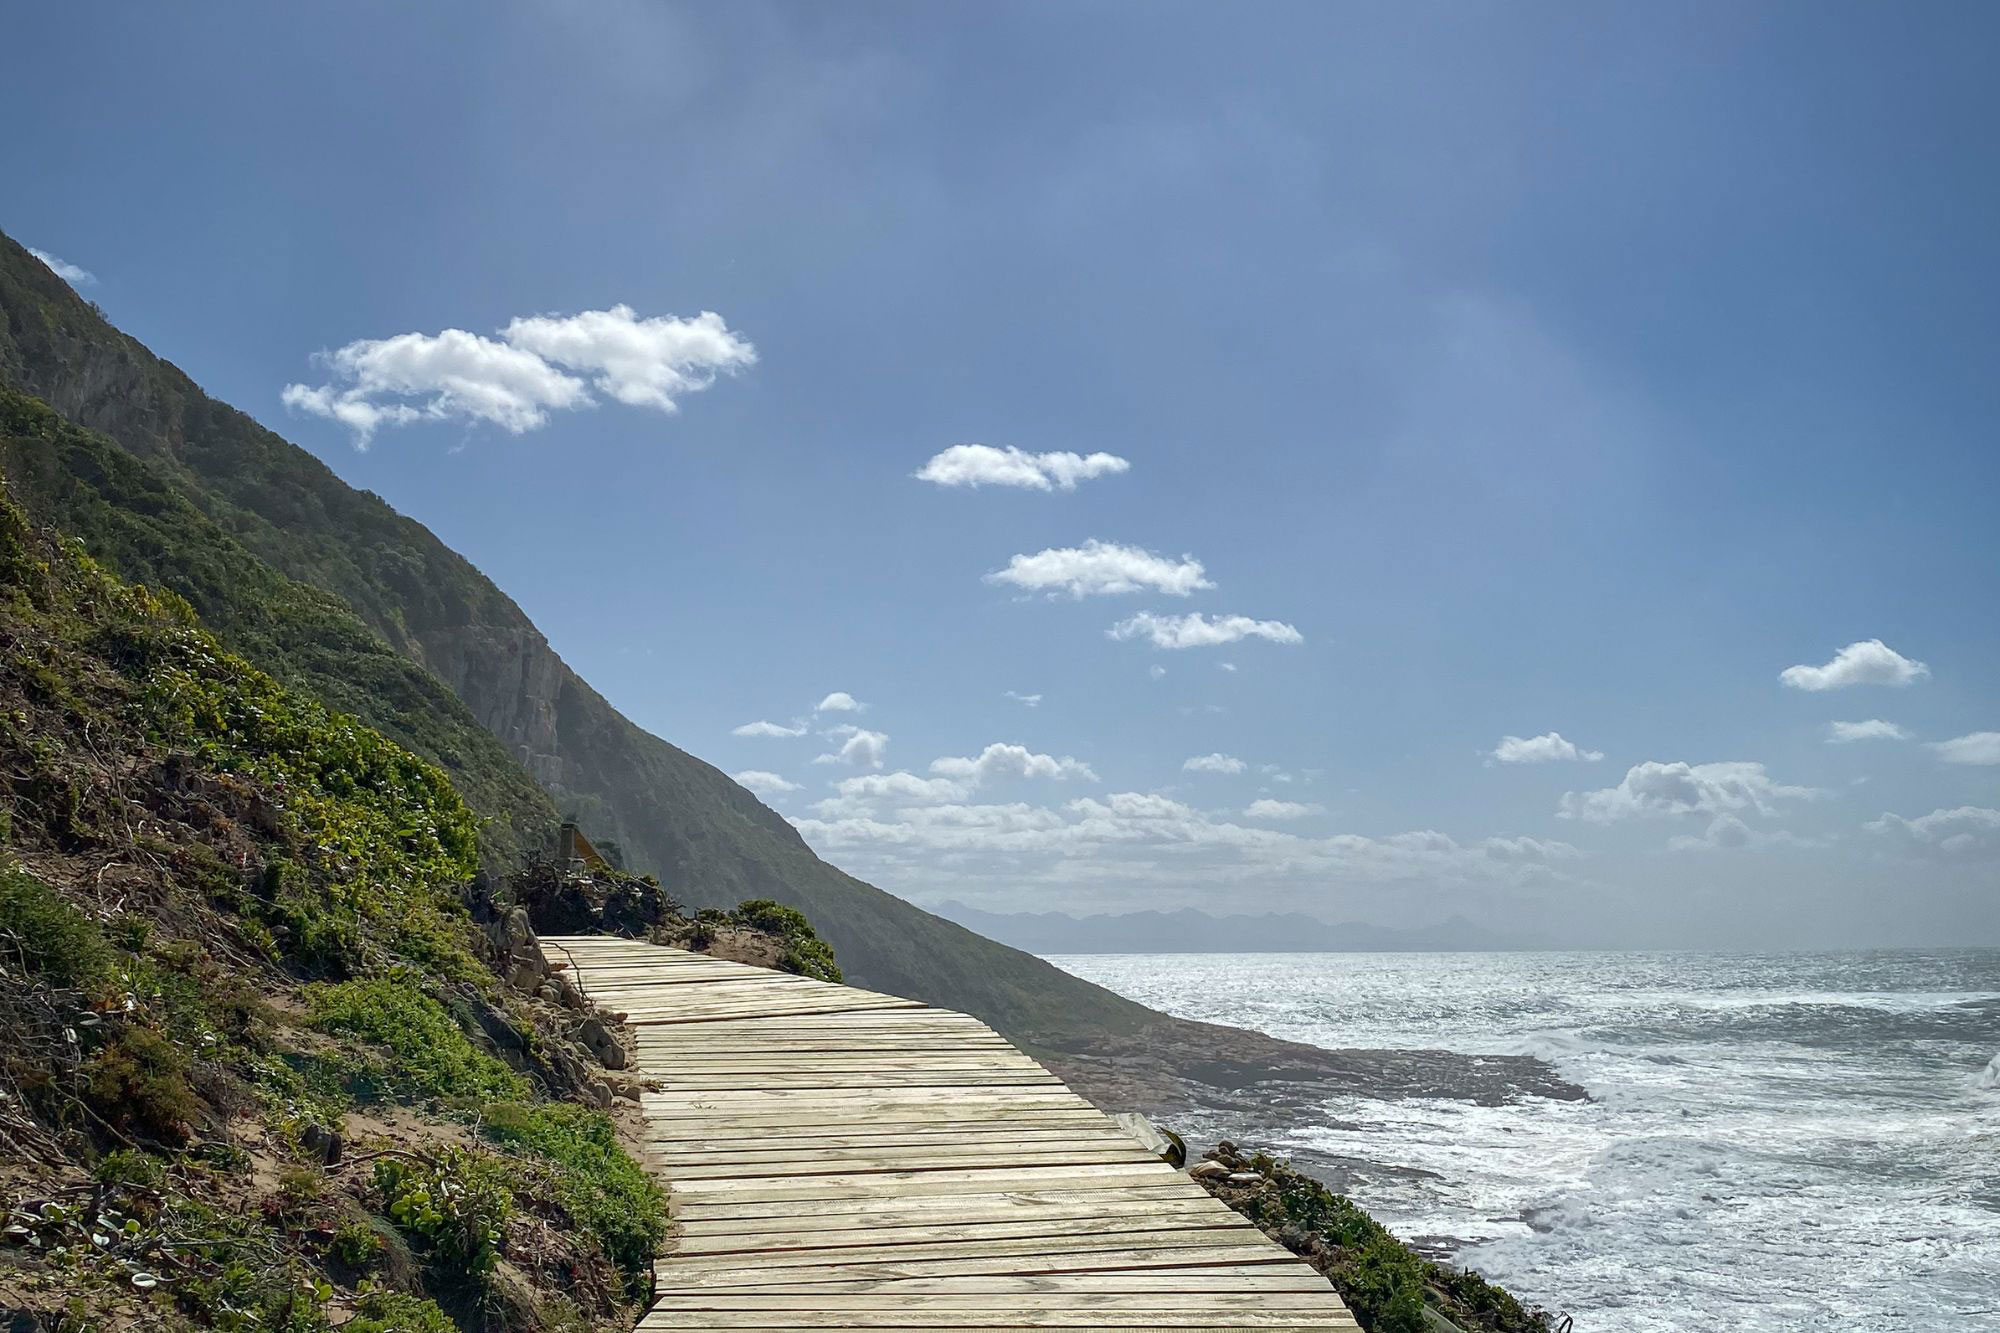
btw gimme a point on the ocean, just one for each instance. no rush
(1797, 1141)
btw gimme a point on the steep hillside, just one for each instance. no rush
(131, 518)
(256, 1070)
(707, 838)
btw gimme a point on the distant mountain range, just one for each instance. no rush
(1191, 931)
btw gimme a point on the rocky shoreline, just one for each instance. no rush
(1205, 1069)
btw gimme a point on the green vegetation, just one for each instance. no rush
(50, 939)
(432, 1055)
(804, 951)
(396, 1312)
(227, 913)
(603, 1189)
(1385, 1283)
(457, 1206)
(136, 521)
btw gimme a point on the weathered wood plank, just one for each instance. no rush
(840, 1158)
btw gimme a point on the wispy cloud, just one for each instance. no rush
(1981, 747)
(1874, 729)
(1728, 833)
(1098, 568)
(1213, 763)
(1196, 630)
(1266, 808)
(1968, 833)
(1865, 662)
(1549, 747)
(1025, 700)
(765, 783)
(768, 729)
(73, 274)
(1654, 789)
(983, 465)
(537, 365)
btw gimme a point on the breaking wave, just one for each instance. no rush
(1774, 1142)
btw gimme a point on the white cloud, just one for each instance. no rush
(918, 829)
(640, 362)
(771, 729)
(1197, 631)
(536, 366)
(840, 701)
(1097, 568)
(1728, 833)
(1027, 700)
(1654, 788)
(1213, 763)
(1874, 729)
(898, 786)
(74, 275)
(765, 783)
(1981, 747)
(1546, 748)
(1156, 671)
(1866, 662)
(1000, 760)
(1266, 808)
(984, 465)
(857, 746)
(1967, 833)
(1227, 666)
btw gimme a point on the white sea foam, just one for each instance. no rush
(1787, 1143)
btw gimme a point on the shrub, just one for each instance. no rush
(139, 1080)
(456, 1209)
(433, 1056)
(55, 943)
(396, 1312)
(805, 952)
(597, 1182)
(355, 1246)
(126, 1166)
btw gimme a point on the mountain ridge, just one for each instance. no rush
(162, 482)
(708, 838)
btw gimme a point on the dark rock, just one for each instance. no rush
(322, 1143)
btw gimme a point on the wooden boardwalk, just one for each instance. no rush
(839, 1158)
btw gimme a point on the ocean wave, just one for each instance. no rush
(1781, 1143)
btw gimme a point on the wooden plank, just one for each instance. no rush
(839, 1158)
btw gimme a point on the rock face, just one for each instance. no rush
(598, 1038)
(515, 952)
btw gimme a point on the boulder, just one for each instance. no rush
(598, 1038)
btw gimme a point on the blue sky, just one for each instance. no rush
(1540, 368)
